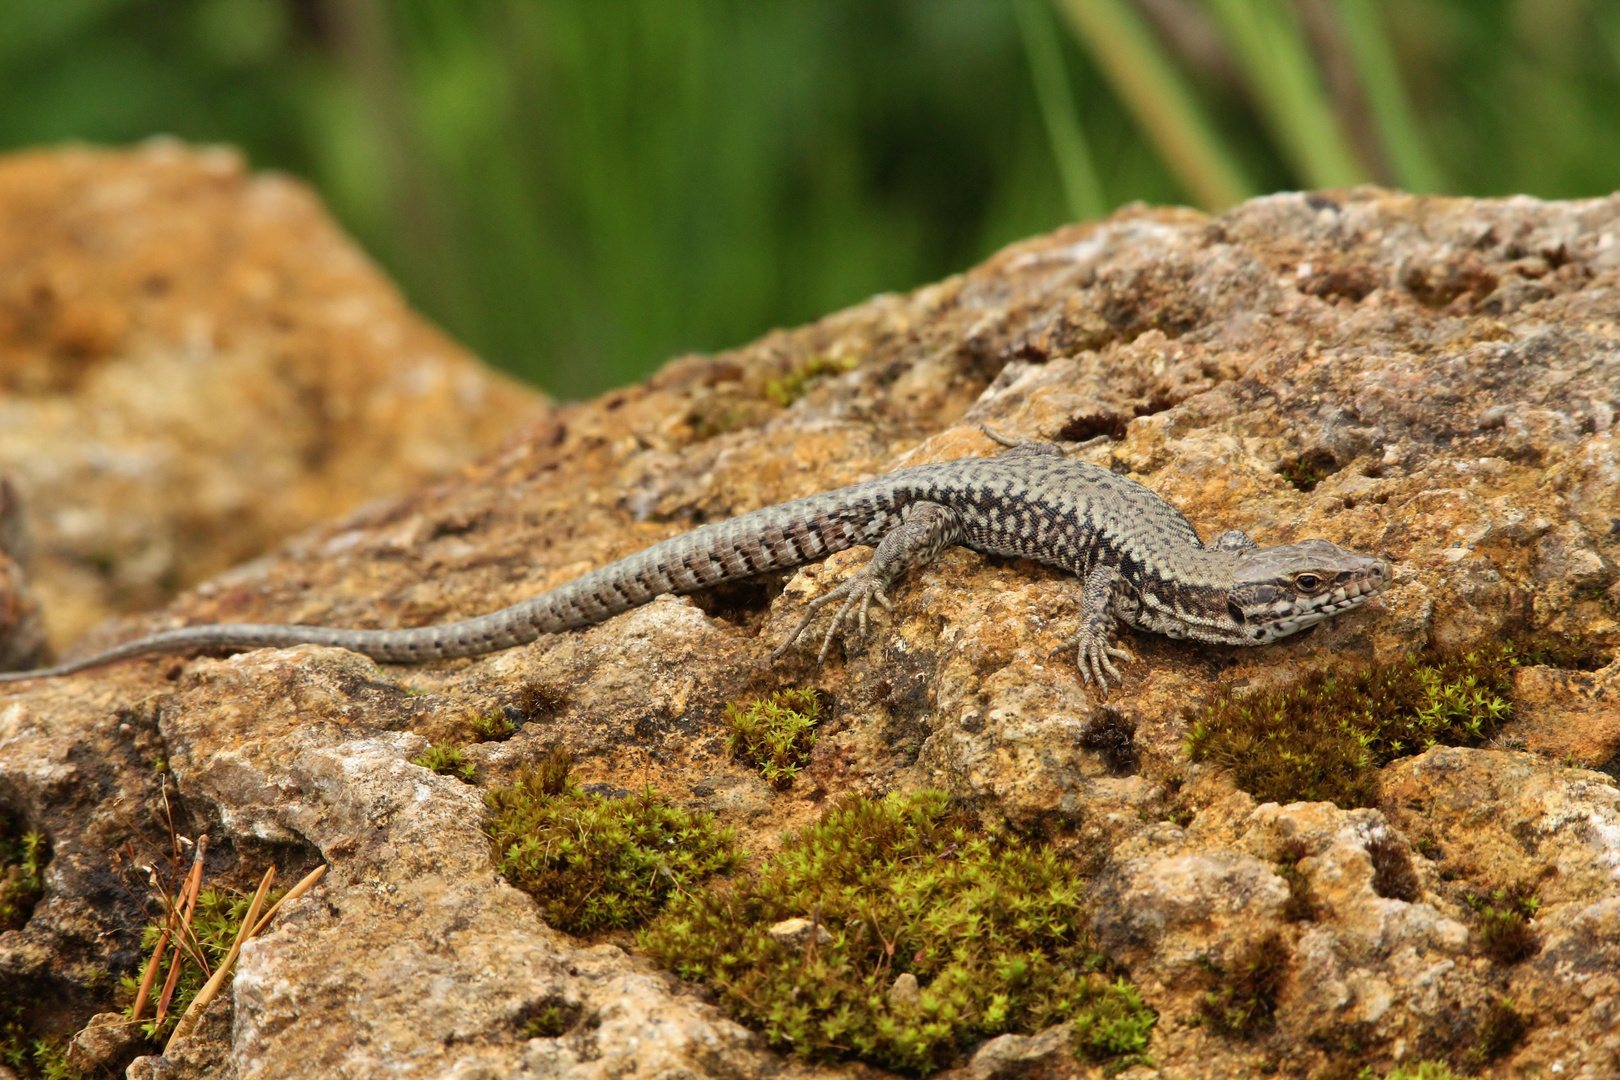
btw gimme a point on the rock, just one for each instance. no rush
(904, 992)
(796, 932)
(197, 364)
(1046, 1054)
(1570, 716)
(1361, 366)
(103, 1042)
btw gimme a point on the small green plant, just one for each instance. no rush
(493, 727)
(214, 926)
(1324, 737)
(23, 856)
(594, 863)
(447, 759)
(923, 935)
(1502, 922)
(792, 386)
(1243, 1000)
(776, 733)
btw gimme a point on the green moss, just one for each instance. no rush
(1324, 737)
(23, 856)
(447, 759)
(214, 926)
(1569, 653)
(1113, 1025)
(792, 386)
(990, 930)
(1243, 1000)
(1502, 922)
(776, 733)
(595, 863)
(29, 1056)
(1423, 1070)
(493, 727)
(553, 1018)
(1308, 470)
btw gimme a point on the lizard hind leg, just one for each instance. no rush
(928, 529)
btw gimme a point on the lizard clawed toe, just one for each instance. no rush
(861, 589)
(1096, 659)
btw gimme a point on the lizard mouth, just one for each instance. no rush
(1353, 591)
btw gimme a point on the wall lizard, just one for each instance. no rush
(1142, 563)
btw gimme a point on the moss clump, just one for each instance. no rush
(1501, 1028)
(1423, 1070)
(776, 733)
(1502, 922)
(792, 386)
(1301, 905)
(1324, 737)
(595, 863)
(1243, 1000)
(23, 856)
(29, 1056)
(1113, 736)
(494, 727)
(552, 1019)
(447, 759)
(1114, 1025)
(214, 926)
(1308, 470)
(1394, 877)
(930, 935)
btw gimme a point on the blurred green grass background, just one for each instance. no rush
(580, 189)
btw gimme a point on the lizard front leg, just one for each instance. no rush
(1096, 627)
(928, 529)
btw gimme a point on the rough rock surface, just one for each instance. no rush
(195, 362)
(1449, 368)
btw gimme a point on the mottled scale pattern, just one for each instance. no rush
(1029, 501)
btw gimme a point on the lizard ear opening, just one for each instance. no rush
(1234, 612)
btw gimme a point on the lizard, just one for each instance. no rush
(1140, 559)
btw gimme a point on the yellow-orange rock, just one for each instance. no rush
(194, 363)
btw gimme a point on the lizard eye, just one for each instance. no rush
(1307, 581)
(1234, 612)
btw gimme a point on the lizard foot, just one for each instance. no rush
(1094, 659)
(860, 589)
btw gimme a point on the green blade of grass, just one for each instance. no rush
(1270, 48)
(1143, 76)
(1415, 168)
(1081, 186)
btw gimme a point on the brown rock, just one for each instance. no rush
(1569, 716)
(196, 363)
(1366, 367)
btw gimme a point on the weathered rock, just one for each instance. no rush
(196, 363)
(1432, 380)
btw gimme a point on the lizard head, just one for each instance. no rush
(1277, 591)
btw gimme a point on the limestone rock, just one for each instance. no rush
(195, 363)
(1433, 380)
